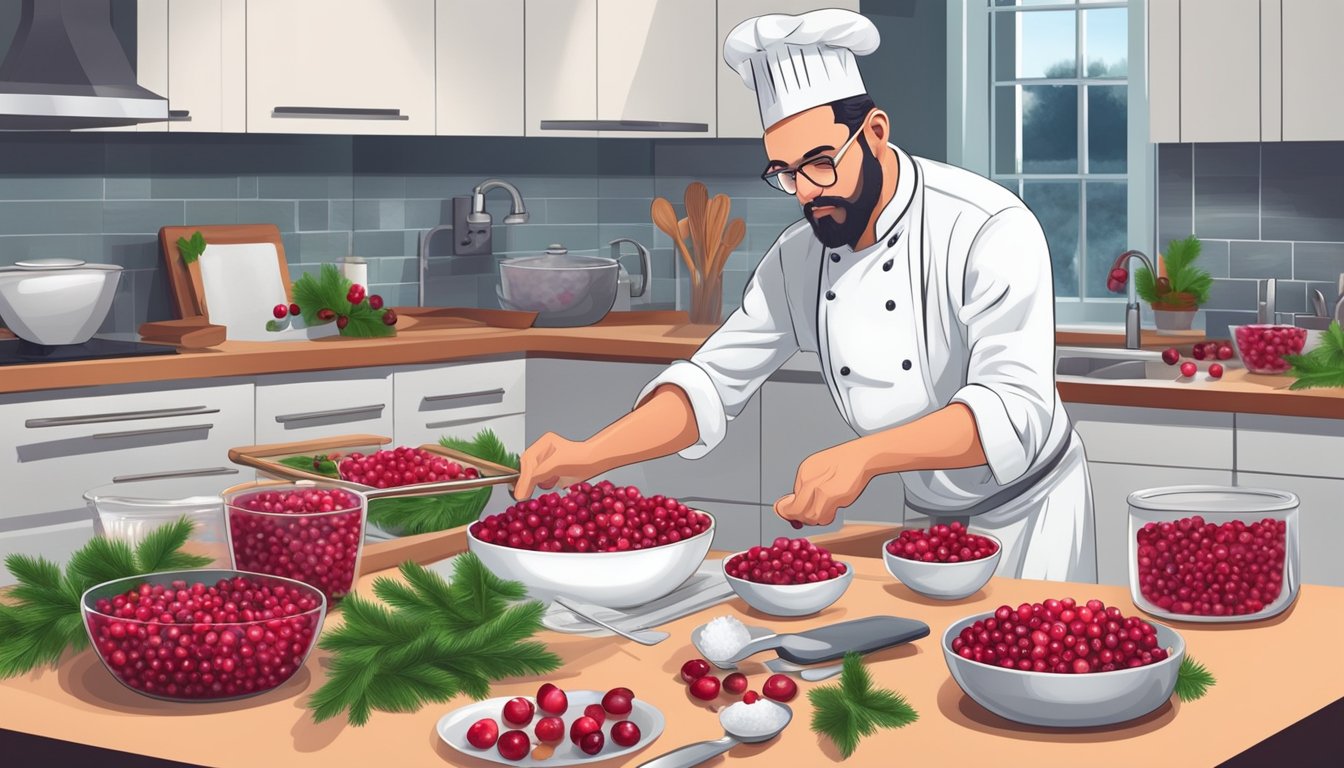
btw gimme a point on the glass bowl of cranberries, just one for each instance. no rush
(203, 635)
(944, 562)
(1208, 553)
(310, 531)
(1064, 663)
(600, 543)
(1261, 348)
(788, 577)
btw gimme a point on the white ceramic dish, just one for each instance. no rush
(1066, 701)
(609, 579)
(943, 581)
(57, 301)
(452, 728)
(789, 599)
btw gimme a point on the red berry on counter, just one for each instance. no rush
(1225, 352)
(592, 743)
(1188, 369)
(618, 701)
(1171, 356)
(375, 302)
(625, 733)
(483, 733)
(596, 712)
(735, 683)
(518, 711)
(705, 688)
(550, 699)
(780, 688)
(294, 309)
(550, 729)
(514, 745)
(1215, 371)
(582, 727)
(1199, 352)
(389, 317)
(280, 311)
(750, 697)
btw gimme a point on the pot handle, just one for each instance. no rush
(645, 263)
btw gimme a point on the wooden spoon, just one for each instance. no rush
(737, 230)
(697, 203)
(716, 218)
(665, 218)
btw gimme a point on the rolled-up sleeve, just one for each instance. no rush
(736, 360)
(1009, 314)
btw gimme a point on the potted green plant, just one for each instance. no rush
(1182, 287)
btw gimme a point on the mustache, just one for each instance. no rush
(820, 202)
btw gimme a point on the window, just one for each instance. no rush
(1059, 101)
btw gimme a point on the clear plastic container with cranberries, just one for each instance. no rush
(312, 532)
(1213, 553)
(204, 635)
(1263, 347)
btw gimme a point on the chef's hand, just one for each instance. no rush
(552, 460)
(827, 481)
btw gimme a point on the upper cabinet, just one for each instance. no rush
(479, 60)
(341, 66)
(611, 65)
(1244, 70)
(738, 115)
(207, 70)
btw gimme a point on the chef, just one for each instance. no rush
(925, 290)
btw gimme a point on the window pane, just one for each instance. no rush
(1107, 232)
(1035, 129)
(1107, 45)
(1007, 127)
(1035, 44)
(1107, 128)
(1036, 2)
(1012, 185)
(1055, 204)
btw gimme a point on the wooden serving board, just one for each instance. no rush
(188, 289)
(267, 459)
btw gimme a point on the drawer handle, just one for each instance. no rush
(339, 113)
(179, 116)
(623, 125)
(465, 420)
(157, 431)
(99, 418)
(496, 392)
(285, 419)
(178, 473)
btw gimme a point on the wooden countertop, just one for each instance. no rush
(81, 702)
(654, 337)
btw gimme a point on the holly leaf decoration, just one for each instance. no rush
(192, 249)
(1192, 680)
(853, 709)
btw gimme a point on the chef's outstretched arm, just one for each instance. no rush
(1003, 414)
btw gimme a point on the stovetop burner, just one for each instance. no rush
(20, 352)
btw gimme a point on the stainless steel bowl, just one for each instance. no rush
(562, 288)
(57, 301)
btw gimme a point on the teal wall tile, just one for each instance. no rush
(40, 218)
(193, 187)
(51, 188)
(281, 213)
(211, 212)
(313, 215)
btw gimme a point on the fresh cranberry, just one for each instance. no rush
(582, 727)
(617, 701)
(1263, 347)
(1171, 356)
(401, 466)
(750, 697)
(1060, 637)
(941, 544)
(294, 309)
(280, 311)
(483, 733)
(356, 294)
(389, 317)
(550, 729)
(1192, 566)
(785, 561)
(705, 688)
(1225, 352)
(514, 745)
(596, 712)
(342, 321)
(1199, 352)
(592, 743)
(325, 314)
(1215, 371)
(518, 711)
(1188, 369)
(311, 534)
(735, 683)
(779, 688)
(552, 700)
(625, 733)
(694, 670)
(375, 301)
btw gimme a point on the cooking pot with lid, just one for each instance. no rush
(566, 289)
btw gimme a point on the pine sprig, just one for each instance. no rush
(847, 712)
(1322, 366)
(432, 641)
(42, 621)
(1193, 680)
(1181, 272)
(328, 291)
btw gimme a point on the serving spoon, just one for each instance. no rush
(695, 754)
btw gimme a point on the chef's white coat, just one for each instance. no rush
(954, 303)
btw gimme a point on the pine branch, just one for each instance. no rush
(1145, 285)
(853, 709)
(101, 560)
(1193, 680)
(160, 550)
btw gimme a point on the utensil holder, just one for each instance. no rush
(707, 301)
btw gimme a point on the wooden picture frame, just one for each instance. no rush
(184, 280)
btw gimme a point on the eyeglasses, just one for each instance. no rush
(821, 170)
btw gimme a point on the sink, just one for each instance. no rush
(1111, 363)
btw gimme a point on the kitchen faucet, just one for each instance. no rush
(518, 215)
(1132, 307)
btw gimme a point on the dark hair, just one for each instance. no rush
(850, 112)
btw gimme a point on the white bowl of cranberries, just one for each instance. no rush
(600, 543)
(1064, 664)
(203, 635)
(788, 577)
(944, 562)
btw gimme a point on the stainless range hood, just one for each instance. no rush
(66, 70)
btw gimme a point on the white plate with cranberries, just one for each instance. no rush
(553, 728)
(944, 562)
(599, 543)
(789, 577)
(1063, 663)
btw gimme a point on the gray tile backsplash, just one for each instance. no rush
(1272, 210)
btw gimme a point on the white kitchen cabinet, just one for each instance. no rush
(306, 406)
(1220, 70)
(341, 66)
(54, 446)
(479, 63)
(1320, 517)
(1111, 486)
(207, 67)
(738, 115)
(1164, 71)
(1154, 436)
(1290, 445)
(1313, 93)
(150, 61)
(613, 60)
(435, 400)
(578, 398)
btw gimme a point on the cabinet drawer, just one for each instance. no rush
(444, 394)
(508, 428)
(1320, 521)
(308, 406)
(54, 542)
(1155, 436)
(1290, 445)
(57, 448)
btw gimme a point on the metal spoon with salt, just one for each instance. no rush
(695, 754)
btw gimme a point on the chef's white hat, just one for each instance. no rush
(795, 63)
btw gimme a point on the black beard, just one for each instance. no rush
(858, 210)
